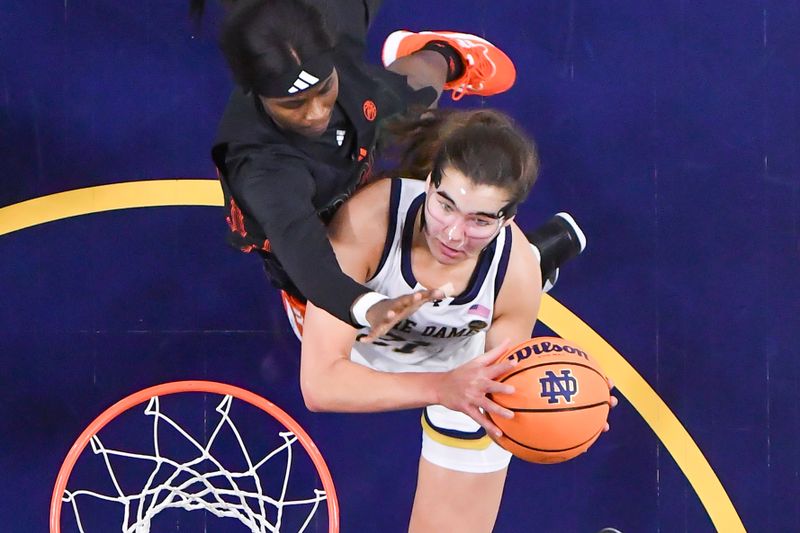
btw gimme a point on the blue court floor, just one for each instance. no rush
(670, 130)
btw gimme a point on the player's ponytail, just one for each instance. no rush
(413, 140)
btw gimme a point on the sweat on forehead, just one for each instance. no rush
(465, 195)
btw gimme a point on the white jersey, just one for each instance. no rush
(443, 334)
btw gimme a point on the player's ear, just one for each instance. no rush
(428, 179)
(508, 220)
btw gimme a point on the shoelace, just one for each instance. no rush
(476, 71)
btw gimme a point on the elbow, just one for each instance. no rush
(313, 403)
(313, 398)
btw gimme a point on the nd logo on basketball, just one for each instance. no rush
(555, 387)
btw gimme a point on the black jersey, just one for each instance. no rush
(281, 188)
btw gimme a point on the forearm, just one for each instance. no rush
(347, 387)
(279, 198)
(306, 255)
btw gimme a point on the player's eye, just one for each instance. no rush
(293, 104)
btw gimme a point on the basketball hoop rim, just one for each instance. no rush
(211, 387)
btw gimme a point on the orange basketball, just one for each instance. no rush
(560, 405)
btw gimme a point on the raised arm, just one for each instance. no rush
(330, 381)
(277, 191)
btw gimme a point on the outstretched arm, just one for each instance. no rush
(277, 190)
(330, 381)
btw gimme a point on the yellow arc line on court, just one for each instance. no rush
(205, 192)
(127, 195)
(652, 408)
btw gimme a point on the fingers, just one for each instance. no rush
(494, 355)
(416, 299)
(500, 369)
(479, 414)
(497, 410)
(402, 307)
(613, 403)
(431, 294)
(499, 350)
(484, 421)
(384, 315)
(376, 332)
(495, 387)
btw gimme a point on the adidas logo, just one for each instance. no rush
(303, 82)
(340, 137)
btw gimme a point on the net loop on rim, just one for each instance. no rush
(200, 481)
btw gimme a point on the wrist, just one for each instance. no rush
(435, 386)
(359, 309)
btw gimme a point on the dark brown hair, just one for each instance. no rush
(485, 145)
(263, 38)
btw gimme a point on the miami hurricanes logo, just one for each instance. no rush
(370, 110)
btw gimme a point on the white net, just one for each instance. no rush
(201, 481)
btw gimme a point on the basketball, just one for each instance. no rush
(560, 405)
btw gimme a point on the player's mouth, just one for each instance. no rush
(447, 251)
(314, 130)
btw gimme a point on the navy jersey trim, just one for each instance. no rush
(454, 433)
(502, 266)
(408, 237)
(478, 276)
(394, 202)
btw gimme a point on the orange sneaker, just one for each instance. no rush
(487, 69)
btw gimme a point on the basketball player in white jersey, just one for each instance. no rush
(453, 231)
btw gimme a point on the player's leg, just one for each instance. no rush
(424, 68)
(555, 242)
(448, 500)
(472, 65)
(461, 475)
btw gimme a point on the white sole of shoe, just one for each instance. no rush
(392, 42)
(391, 45)
(577, 229)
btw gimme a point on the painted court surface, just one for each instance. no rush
(670, 132)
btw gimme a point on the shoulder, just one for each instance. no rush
(243, 120)
(246, 133)
(368, 201)
(523, 276)
(363, 220)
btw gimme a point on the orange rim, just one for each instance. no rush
(193, 386)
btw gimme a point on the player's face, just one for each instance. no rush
(308, 113)
(461, 218)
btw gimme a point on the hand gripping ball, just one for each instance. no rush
(560, 405)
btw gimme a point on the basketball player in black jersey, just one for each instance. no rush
(300, 134)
